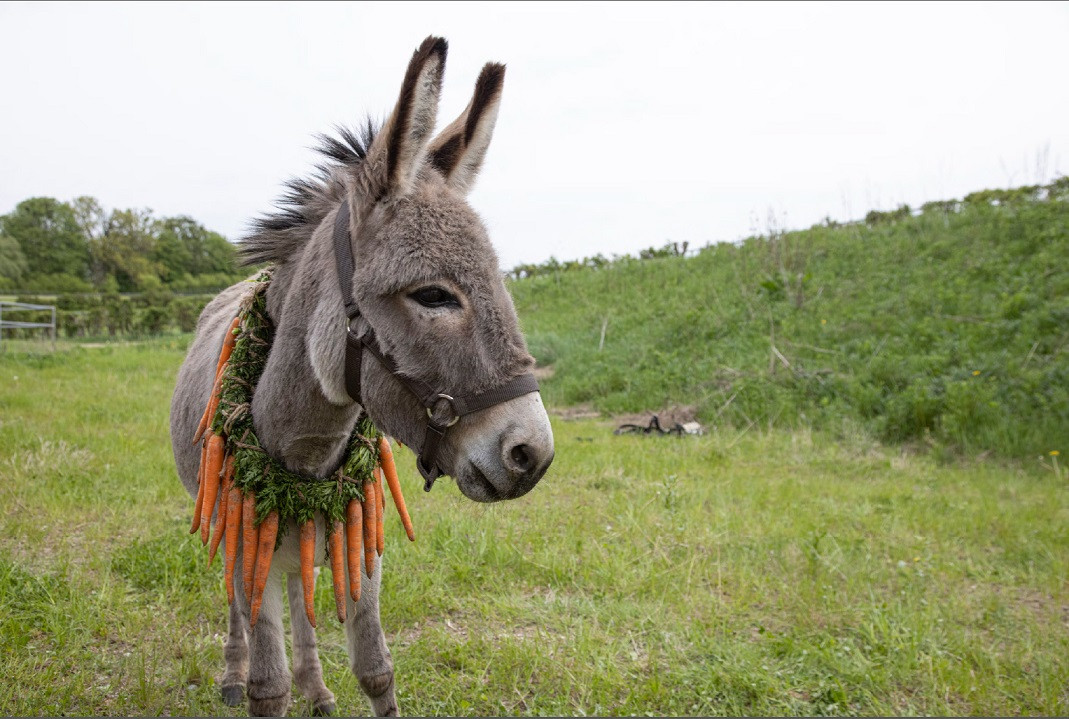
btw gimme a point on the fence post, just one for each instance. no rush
(53, 328)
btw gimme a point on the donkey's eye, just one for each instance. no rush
(434, 297)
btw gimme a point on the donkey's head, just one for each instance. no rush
(427, 283)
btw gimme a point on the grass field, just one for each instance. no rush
(759, 572)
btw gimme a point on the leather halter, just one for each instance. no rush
(428, 396)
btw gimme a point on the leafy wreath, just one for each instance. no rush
(258, 497)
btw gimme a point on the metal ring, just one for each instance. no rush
(450, 400)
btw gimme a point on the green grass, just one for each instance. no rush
(745, 572)
(949, 329)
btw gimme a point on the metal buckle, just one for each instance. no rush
(450, 400)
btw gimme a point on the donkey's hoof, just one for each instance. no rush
(233, 695)
(324, 709)
(269, 706)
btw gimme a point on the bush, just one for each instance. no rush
(187, 311)
(153, 320)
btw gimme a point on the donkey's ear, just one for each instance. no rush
(459, 150)
(399, 147)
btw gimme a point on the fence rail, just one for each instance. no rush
(10, 307)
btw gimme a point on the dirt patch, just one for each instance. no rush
(669, 416)
(582, 411)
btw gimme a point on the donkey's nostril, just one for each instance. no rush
(522, 457)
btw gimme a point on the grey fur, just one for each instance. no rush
(411, 228)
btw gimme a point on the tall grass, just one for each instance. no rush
(949, 328)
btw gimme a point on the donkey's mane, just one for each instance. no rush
(279, 235)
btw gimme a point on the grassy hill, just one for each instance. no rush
(947, 326)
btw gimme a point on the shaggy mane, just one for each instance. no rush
(279, 235)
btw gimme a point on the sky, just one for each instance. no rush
(623, 125)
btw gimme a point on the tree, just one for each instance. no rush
(12, 262)
(126, 248)
(49, 237)
(92, 218)
(172, 252)
(220, 254)
(185, 246)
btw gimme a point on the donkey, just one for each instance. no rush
(426, 281)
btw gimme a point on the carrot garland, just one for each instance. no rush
(244, 482)
(265, 550)
(308, 572)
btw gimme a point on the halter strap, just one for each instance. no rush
(429, 397)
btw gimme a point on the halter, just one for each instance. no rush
(454, 407)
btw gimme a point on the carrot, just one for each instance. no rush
(250, 537)
(389, 469)
(265, 550)
(200, 489)
(380, 507)
(354, 515)
(308, 570)
(224, 355)
(370, 541)
(337, 567)
(206, 416)
(213, 403)
(220, 518)
(233, 528)
(211, 484)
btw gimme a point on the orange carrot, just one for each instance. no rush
(370, 541)
(308, 570)
(265, 550)
(380, 507)
(233, 528)
(211, 484)
(206, 416)
(250, 537)
(224, 355)
(213, 403)
(200, 489)
(389, 469)
(337, 568)
(220, 518)
(354, 514)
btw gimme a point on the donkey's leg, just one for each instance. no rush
(369, 656)
(269, 675)
(307, 671)
(236, 651)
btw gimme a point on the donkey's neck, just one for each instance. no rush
(301, 411)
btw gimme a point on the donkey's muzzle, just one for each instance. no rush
(525, 465)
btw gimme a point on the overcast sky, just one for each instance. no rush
(623, 125)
